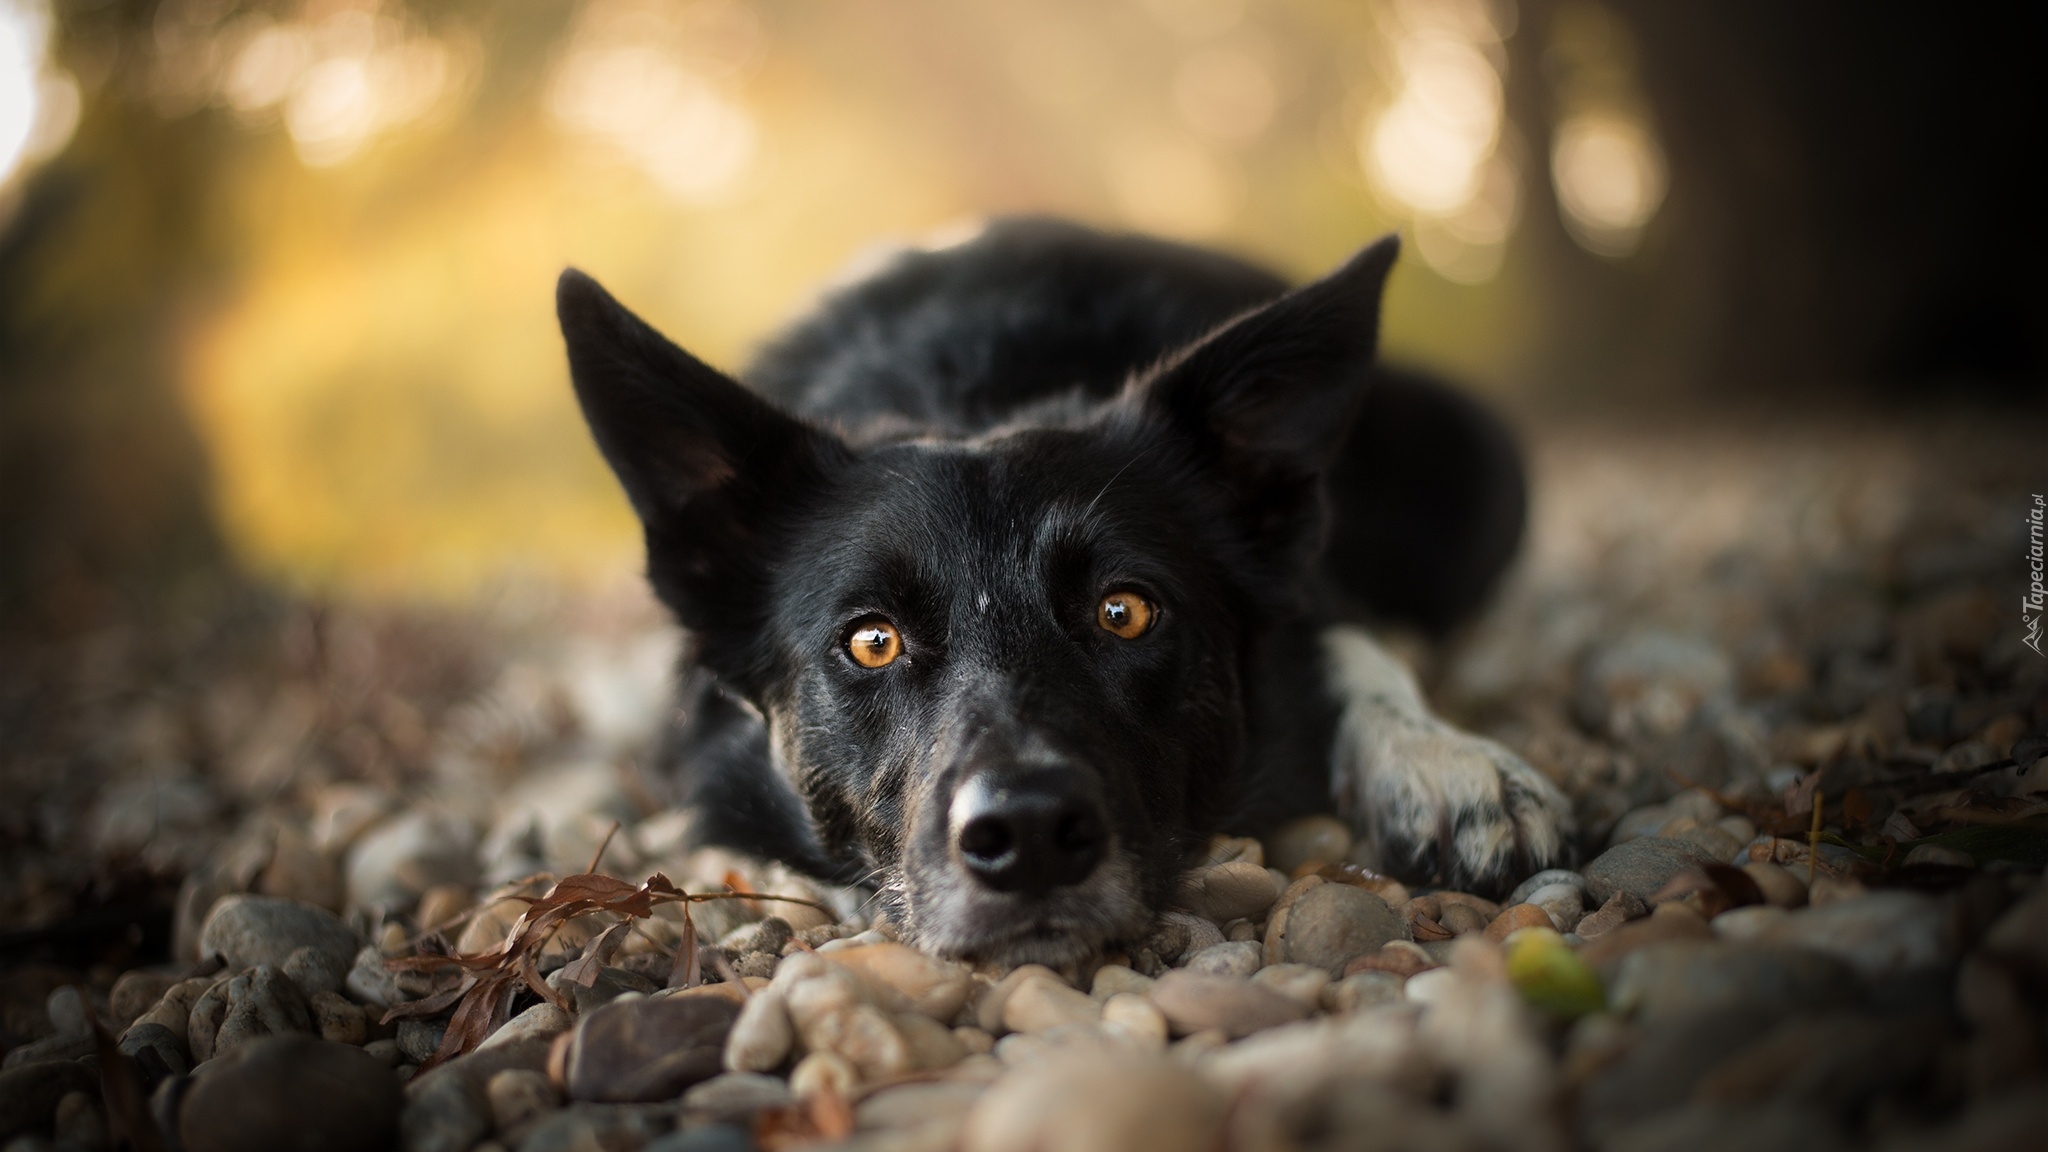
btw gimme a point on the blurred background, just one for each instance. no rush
(291, 475)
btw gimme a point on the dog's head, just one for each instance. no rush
(1002, 672)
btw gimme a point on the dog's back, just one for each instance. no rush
(1033, 316)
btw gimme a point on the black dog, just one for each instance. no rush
(1025, 566)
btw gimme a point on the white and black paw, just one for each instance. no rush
(1442, 806)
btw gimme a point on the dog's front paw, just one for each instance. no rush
(1447, 807)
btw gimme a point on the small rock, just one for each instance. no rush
(316, 970)
(1301, 982)
(1237, 890)
(1234, 959)
(648, 1049)
(1667, 923)
(1650, 685)
(583, 1127)
(79, 1122)
(135, 993)
(1139, 1017)
(1525, 892)
(1097, 1104)
(291, 1092)
(927, 1114)
(418, 1040)
(1461, 919)
(1193, 1002)
(1748, 923)
(1363, 990)
(441, 904)
(1403, 958)
(1515, 918)
(937, 988)
(1566, 904)
(1111, 979)
(1429, 987)
(487, 929)
(162, 1044)
(397, 861)
(336, 1019)
(762, 1036)
(1640, 867)
(988, 1008)
(931, 1044)
(1181, 934)
(543, 1021)
(370, 982)
(1638, 823)
(1619, 909)
(1936, 855)
(1882, 934)
(737, 1096)
(246, 931)
(1328, 925)
(974, 1040)
(519, 1096)
(174, 1009)
(2020, 936)
(823, 1072)
(1713, 841)
(1665, 981)
(260, 1002)
(385, 1051)
(1043, 1002)
(1780, 888)
(30, 1093)
(769, 935)
(1309, 840)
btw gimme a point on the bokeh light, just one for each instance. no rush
(39, 103)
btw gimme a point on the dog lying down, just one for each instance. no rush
(1021, 567)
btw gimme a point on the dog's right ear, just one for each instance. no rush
(710, 467)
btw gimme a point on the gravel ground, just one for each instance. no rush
(322, 872)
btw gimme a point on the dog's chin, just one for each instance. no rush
(954, 917)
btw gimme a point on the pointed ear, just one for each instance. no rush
(1267, 400)
(709, 467)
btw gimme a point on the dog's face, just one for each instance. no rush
(1002, 672)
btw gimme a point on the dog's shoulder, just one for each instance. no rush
(960, 337)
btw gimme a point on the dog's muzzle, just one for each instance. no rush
(1029, 831)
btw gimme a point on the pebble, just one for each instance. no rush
(441, 904)
(135, 993)
(1461, 919)
(1362, 990)
(1429, 987)
(1179, 934)
(823, 1072)
(1111, 979)
(79, 1122)
(1044, 1002)
(1666, 923)
(1309, 840)
(1231, 958)
(1525, 892)
(163, 1045)
(1714, 841)
(1193, 1002)
(762, 1036)
(486, 930)
(737, 1095)
(336, 1018)
(2020, 936)
(1566, 904)
(1780, 887)
(610, 983)
(1619, 909)
(418, 1040)
(370, 982)
(921, 983)
(988, 1010)
(1517, 917)
(1233, 891)
(519, 1096)
(583, 1127)
(1937, 855)
(543, 1021)
(1640, 867)
(394, 863)
(316, 970)
(1402, 958)
(260, 1002)
(1328, 925)
(1303, 982)
(277, 1091)
(1139, 1017)
(648, 1050)
(173, 1010)
(1882, 934)
(931, 1044)
(249, 930)
(30, 1093)
(1097, 1104)
(1749, 923)
(1669, 980)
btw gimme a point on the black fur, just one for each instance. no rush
(977, 443)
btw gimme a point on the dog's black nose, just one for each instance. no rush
(1029, 833)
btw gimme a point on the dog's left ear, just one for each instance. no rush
(711, 468)
(1268, 398)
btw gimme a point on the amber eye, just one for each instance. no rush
(1127, 614)
(874, 643)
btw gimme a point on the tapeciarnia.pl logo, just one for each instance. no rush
(2032, 604)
